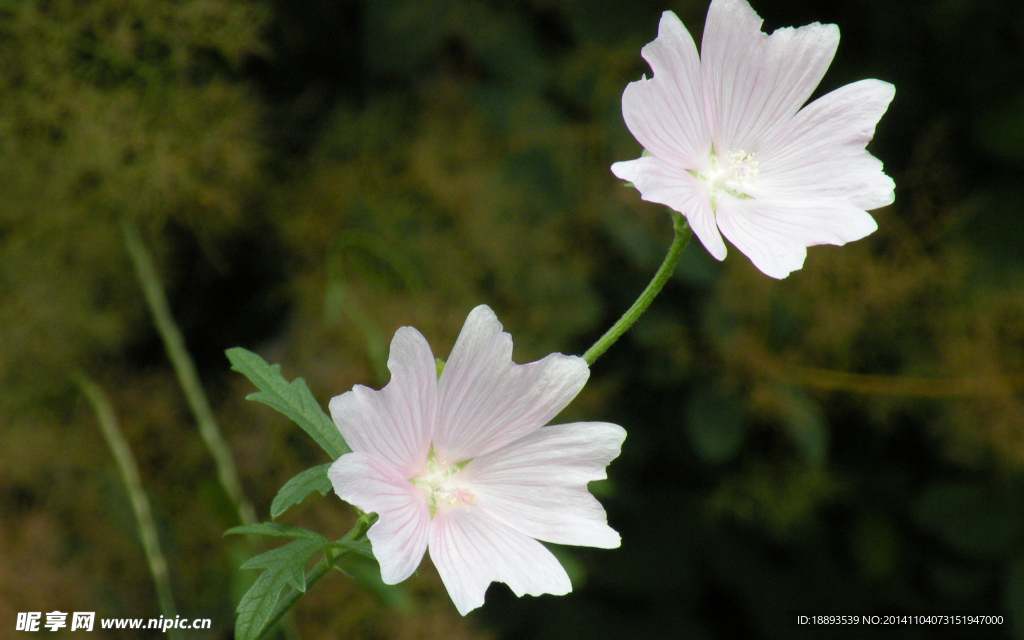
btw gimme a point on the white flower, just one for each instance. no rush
(732, 150)
(463, 465)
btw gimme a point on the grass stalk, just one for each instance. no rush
(185, 370)
(137, 495)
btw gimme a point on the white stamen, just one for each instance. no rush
(733, 173)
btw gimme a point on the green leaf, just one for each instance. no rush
(290, 559)
(293, 399)
(284, 566)
(295, 490)
(361, 547)
(273, 529)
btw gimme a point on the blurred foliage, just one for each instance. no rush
(110, 108)
(312, 175)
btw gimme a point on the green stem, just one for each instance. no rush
(325, 564)
(137, 495)
(682, 237)
(185, 370)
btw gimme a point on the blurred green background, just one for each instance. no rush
(312, 174)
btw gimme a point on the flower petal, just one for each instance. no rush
(775, 234)
(486, 401)
(396, 422)
(670, 185)
(399, 537)
(753, 82)
(821, 155)
(666, 113)
(472, 550)
(538, 484)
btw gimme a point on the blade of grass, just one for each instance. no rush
(185, 370)
(140, 502)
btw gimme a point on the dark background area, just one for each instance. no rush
(311, 175)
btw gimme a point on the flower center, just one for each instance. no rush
(443, 486)
(733, 173)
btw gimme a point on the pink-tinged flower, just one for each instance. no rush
(731, 149)
(463, 464)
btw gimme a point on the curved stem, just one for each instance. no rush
(679, 242)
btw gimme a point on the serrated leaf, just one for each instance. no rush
(289, 559)
(256, 607)
(273, 529)
(293, 399)
(284, 566)
(295, 490)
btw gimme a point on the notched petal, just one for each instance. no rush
(754, 82)
(775, 234)
(397, 422)
(538, 484)
(486, 400)
(665, 112)
(472, 550)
